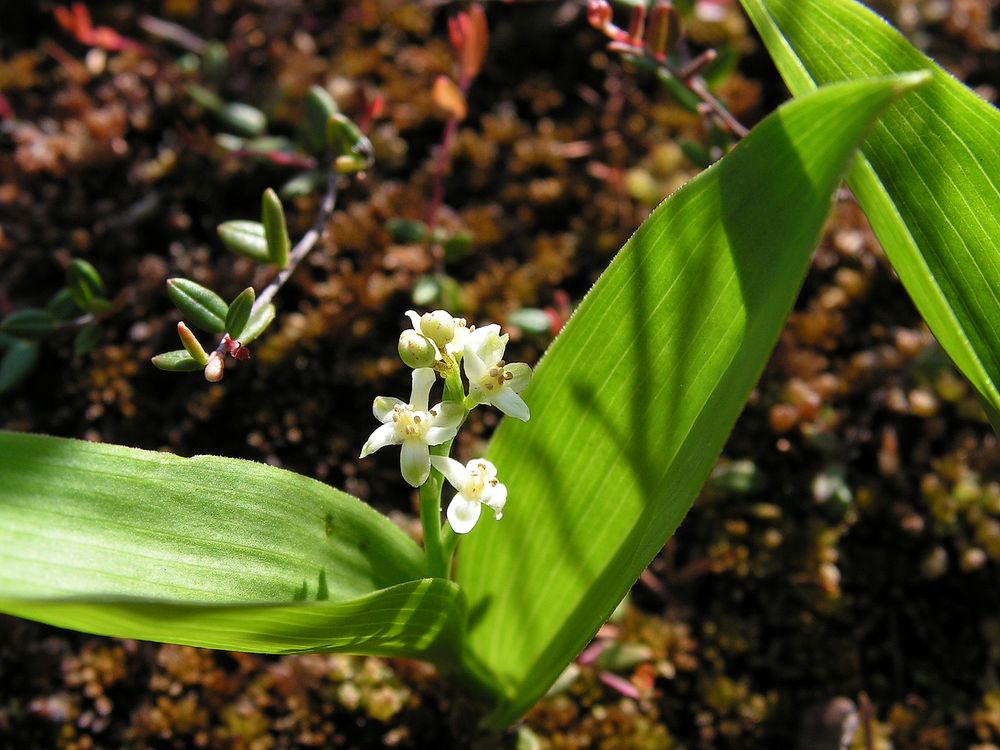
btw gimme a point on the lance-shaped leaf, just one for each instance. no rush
(928, 178)
(209, 552)
(245, 238)
(239, 312)
(29, 323)
(632, 403)
(275, 230)
(201, 306)
(260, 319)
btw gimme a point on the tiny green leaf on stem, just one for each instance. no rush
(245, 238)
(275, 230)
(176, 361)
(205, 308)
(204, 98)
(320, 107)
(351, 150)
(406, 230)
(62, 305)
(29, 323)
(84, 283)
(243, 119)
(239, 312)
(86, 339)
(191, 344)
(260, 319)
(18, 361)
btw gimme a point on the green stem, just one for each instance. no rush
(449, 542)
(430, 518)
(438, 555)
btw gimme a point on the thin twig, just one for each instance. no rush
(298, 252)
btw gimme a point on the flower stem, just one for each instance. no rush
(430, 518)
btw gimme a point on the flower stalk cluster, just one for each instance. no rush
(440, 346)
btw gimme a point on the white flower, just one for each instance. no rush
(477, 485)
(414, 427)
(491, 380)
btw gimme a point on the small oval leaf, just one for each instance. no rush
(320, 107)
(275, 230)
(84, 283)
(18, 361)
(176, 361)
(191, 344)
(86, 339)
(29, 323)
(62, 305)
(245, 238)
(531, 320)
(239, 312)
(260, 319)
(406, 230)
(202, 306)
(243, 119)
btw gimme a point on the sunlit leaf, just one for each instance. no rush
(929, 179)
(633, 402)
(209, 552)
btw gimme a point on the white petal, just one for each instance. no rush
(492, 350)
(449, 414)
(423, 379)
(463, 514)
(383, 436)
(522, 376)
(487, 469)
(414, 319)
(453, 471)
(497, 499)
(477, 338)
(438, 435)
(383, 406)
(415, 462)
(510, 404)
(475, 370)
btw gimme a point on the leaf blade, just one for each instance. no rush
(633, 402)
(927, 178)
(148, 545)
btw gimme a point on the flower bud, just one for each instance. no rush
(416, 350)
(438, 326)
(215, 368)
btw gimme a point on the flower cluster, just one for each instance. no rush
(441, 345)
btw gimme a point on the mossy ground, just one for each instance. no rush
(843, 562)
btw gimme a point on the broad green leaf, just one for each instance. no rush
(633, 402)
(239, 312)
(275, 229)
(245, 238)
(208, 551)
(202, 306)
(928, 177)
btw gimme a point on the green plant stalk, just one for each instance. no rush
(430, 517)
(439, 546)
